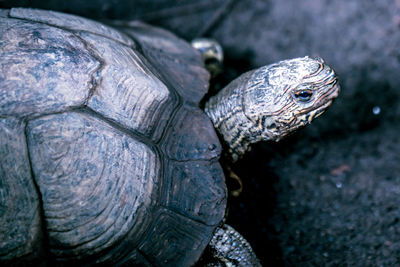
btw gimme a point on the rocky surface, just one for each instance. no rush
(328, 195)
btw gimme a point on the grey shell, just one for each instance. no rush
(105, 156)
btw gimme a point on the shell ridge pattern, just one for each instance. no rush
(176, 97)
(74, 31)
(120, 127)
(179, 246)
(19, 193)
(176, 145)
(58, 155)
(196, 189)
(96, 74)
(67, 234)
(70, 22)
(117, 213)
(128, 93)
(191, 137)
(153, 165)
(69, 210)
(38, 80)
(179, 212)
(171, 56)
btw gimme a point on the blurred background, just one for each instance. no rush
(328, 195)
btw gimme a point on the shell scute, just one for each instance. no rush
(97, 184)
(19, 203)
(128, 92)
(125, 163)
(175, 240)
(175, 59)
(71, 22)
(43, 69)
(201, 199)
(191, 136)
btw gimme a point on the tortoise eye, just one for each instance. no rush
(303, 95)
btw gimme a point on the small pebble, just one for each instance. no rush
(388, 243)
(376, 110)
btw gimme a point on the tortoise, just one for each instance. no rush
(105, 155)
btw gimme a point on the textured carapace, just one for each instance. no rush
(270, 102)
(105, 157)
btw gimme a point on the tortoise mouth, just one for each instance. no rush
(321, 109)
(330, 95)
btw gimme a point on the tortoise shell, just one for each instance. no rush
(105, 156)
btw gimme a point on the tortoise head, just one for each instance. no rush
(285, 96)
(273, 101)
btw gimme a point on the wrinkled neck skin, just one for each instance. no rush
(227, 114)
(271, 102)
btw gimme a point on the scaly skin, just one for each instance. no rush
(228, 248)
(270, 102)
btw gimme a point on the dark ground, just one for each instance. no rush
(330, 194)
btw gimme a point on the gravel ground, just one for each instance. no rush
(328, 195)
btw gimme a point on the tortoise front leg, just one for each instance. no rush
(228, 248)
